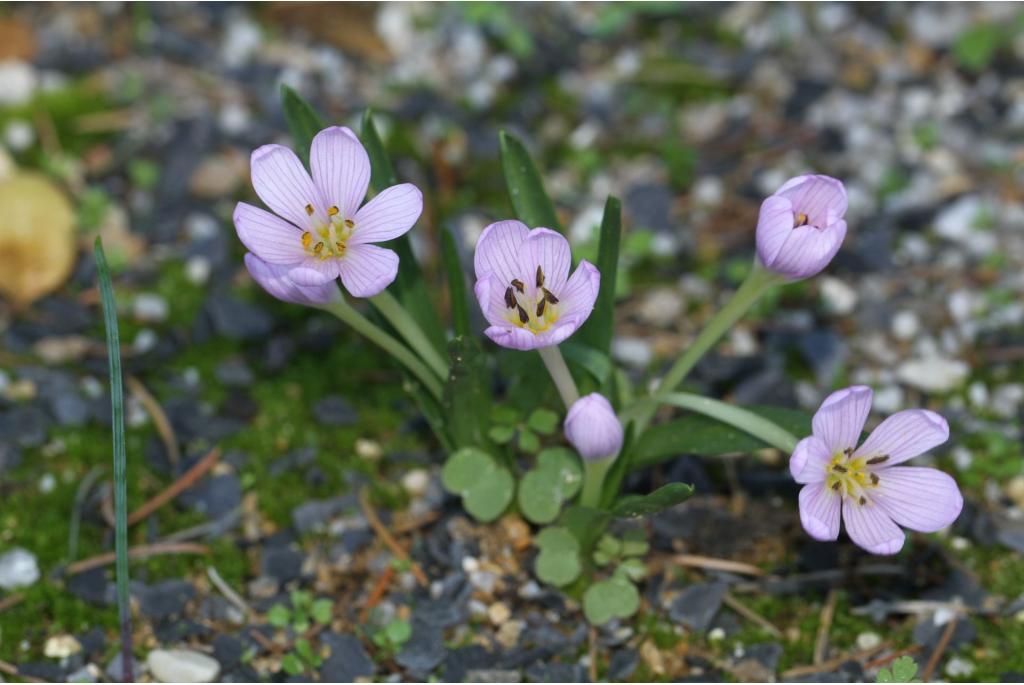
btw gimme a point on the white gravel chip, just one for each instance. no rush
(18, 568)
(182, 666)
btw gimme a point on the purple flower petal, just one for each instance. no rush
(272, 239)
(774, 226)
(341, 169)
(283, 184)
(919, 498)
(490, 293)
(905, 435)
(821, 198)
(497, 250)
(808, 250)
(580, 292)
(366, 270)
(592, 427)
(809, 463)
(870, 527)
(275, 280)
(314, 271)
(389, 215)
(550, 252)
(841, 418)
(819, 511)
(513, 338)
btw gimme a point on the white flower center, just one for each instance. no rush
(536, 312)
(328, 239)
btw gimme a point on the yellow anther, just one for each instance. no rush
(349, 223)
(332, 210)
(307, 238)
(309, 210)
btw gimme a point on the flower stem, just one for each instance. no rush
(407, 327)
(593, 480)
(757, 282)
(555, 363)
(120, 461)
(344, 311)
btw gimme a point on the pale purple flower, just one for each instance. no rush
(592, 427)
(875, 495)
(320, 231)
(524, 288)
(275, 280)
(801, 228)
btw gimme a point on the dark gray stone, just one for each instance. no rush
(214, 497)
(334, 410)
(296, 459)
(227, 650)
(459, 662)
(165, 599)
(348, 659)
(315, 513)
(622, 664)
(423, 652)
(283, 564)
(234, 373)
(236, 319)
(697, 605)
(24, 426)
(93, 587)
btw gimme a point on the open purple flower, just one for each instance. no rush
(275, 280)
(801, 228)
(874, 495)
(320, 231)
(524, 288)
(592, 427)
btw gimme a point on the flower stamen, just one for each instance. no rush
(800, 220)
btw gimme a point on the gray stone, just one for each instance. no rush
(18, 569)
(348, 659)
(697, 605)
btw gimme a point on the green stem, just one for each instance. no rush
(344, 311)
(747, 421)
(407, 327)
(758, 281)
(555, 363)
(593, 481)
(120, 460)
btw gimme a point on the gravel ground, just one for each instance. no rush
(273, 566)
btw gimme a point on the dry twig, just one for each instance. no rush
(228, 592)
(711, 563)
(389, 540)
(140, 552)
(380, 588)
(828, 612)
(187, 480)
(749, 614)
(940, 649)
(160, 420)
(832, 664)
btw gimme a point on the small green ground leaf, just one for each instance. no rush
(489, 498)
(539, 498)
(528, 441)
(322, 610)
(292, 665)
(633, 506)
(525, 189)
(279, 616)
(608, 599)
(564, 467)
(544, 421)
(903, 671)
(463, 468)
(632, 569)
(559, 560)
(501, 434)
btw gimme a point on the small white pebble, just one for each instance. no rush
(868, 640)
(416, 482)
(19, 135)
(145, 340)
(470, 564)
(47, 483)
(150, 308)
(838, 297)
(959, 668)
(960, 544)
(368, 449)
(905, 325)
(197, 270)
(716, 634)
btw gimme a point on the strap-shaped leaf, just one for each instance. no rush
(303, 121)
(456, 284)
(525, 188)
(703, 435)
(596, 363)
(467, 398)
(597, 331)
(633, 506)
(410, 286)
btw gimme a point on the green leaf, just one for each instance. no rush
(456, 284)
(292, 664)
(301, 599)
(304, 650)
(597, 364)
(634, 544)
(528, 441)
(558, 563)
(504, 414)
(398, 631)
(543, 489)
(903, 671)
(525, 189)
(544, 421)
(485, 487)
(976, 46)
(598, 329)
(322, 610)
(633, 506)
(303, 121)
(610, 545)
(501, 434)
(601, 559)
(608, 599)
(410, 287)
(467, 397)
(703, 435)
(632, 569)
(279, 616)
(585, 523)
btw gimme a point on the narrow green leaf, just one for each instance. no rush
(456, 284)
(598, 364)
(119, 454)
(597, 331)
(303, 121)
(633, 506)
(703, 435)
(410, 285)
(525, 188)
(467, 398)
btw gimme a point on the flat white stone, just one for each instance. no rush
(182, 666)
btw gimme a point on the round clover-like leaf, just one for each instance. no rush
(501, 434)
(632, 569)
(486, 487)
(559, 560)
(543, 489)
(528, 441)
(608, 599)
(565, 466)
(544, 421)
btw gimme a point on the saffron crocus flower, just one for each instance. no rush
(275, 280)
(592, 427)
(800, 227)
(524, 288)
(320, 231)
(875, 495)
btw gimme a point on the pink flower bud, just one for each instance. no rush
(801, 228)
(593, 428)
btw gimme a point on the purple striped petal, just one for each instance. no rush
(550, 252)
(904, 435)
(821, 198)
(819, 511)
(275, 280)
(578, 296)
(271, 238)
(490, 293)
(807, 250)
(314, 271)
(809, 463)
(919, 498)
(282, 183)
(366, 270)
(870, 527)
(390, 214)
(841, 418)
(497, 250)
(341, 169)
(774, 226)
